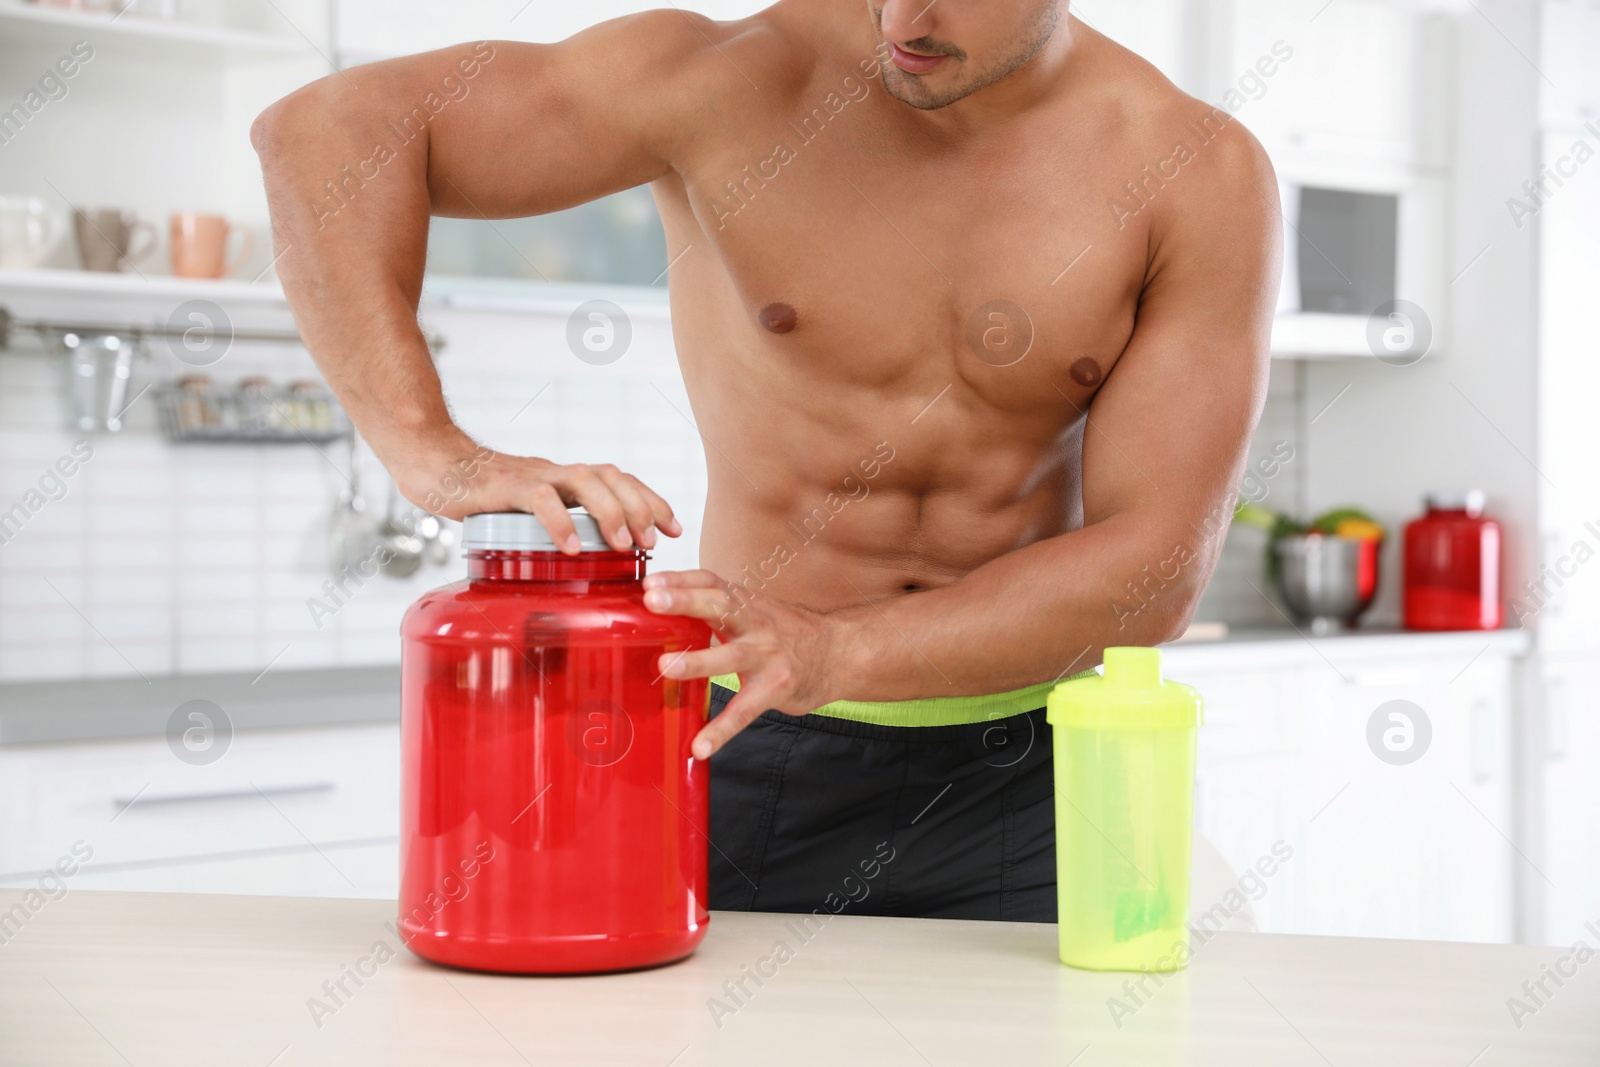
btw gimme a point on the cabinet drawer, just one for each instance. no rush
(134, 801)
(1247, 715)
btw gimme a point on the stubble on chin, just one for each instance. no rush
(908, 89)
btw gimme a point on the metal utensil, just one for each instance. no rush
(100, 366)
(437, 539)
(1326, 581)
(354, 532)
(403, 555)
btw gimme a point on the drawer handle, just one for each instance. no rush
(123, 803)
(1485, 740)
(1556, 720)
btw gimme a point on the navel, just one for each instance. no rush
(778, 317)
(1085, 371)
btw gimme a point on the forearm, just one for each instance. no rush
(1032, 615)
(351, 240)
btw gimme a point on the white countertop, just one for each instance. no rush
(107, 978)
(1248, 648)
(97, 709)
(105, 708)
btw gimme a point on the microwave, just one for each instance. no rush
(1363, 266)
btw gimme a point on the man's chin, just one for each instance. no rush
(906, 89)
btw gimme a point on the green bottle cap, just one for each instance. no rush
(1130, 695)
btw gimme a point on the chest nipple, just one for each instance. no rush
(777, 317)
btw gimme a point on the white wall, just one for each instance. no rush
(372, 28)
(1463, 417)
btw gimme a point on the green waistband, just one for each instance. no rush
(933, 711)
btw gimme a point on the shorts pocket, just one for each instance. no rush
(746, 776)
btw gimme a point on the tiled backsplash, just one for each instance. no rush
(159, 558)
(1238, 591)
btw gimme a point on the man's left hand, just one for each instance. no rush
(784, 655)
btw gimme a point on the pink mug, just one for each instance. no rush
(199, 245)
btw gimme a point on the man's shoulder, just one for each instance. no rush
(676, 83)
(1155, 120)
(774, 51)
(1180, 161)
(1199, 149)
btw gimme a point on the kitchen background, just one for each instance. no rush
(160, 572)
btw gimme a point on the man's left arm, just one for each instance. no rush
(1163, 451)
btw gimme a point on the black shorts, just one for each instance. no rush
(953, 822)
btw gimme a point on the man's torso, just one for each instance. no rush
(891, 338)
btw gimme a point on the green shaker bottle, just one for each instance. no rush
(1124, 770)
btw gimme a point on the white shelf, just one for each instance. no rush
(1322, 336)
(540, 298)
(139, 36)
(101, 286)
(465, 294)
(92, 299)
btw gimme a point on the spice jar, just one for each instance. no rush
(196, 405)
(308, 407)
(257, 405)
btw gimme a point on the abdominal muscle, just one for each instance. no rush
(901, 517)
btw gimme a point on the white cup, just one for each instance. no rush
(29, 231)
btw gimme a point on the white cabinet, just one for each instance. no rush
(1245, 779)
(1569, 41)
(1570, 859)
(1354, 79)
(302, 812)
(1410, 849)
(1563, 599)
(1382, 848)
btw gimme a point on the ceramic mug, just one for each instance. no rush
(107, 235)
(199, 245)
(29, 231)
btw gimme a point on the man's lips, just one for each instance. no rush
(912, 63)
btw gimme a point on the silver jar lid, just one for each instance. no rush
(1470, 500)
(517, 531)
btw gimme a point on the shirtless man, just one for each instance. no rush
(973, 308)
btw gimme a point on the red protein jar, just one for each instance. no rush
(1452, 565)
(553, 819)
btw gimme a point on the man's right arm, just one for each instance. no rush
(357, 162)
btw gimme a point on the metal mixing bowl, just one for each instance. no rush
(1326, 582)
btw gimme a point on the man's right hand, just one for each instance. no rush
(475, 479)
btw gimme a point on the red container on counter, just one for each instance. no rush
(1452, 566)
(553, 819)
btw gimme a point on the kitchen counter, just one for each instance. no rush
(1283, 646)
(107, 708)
(99, 978)
(97, 709)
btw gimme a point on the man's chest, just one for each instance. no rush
(1004, 272)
